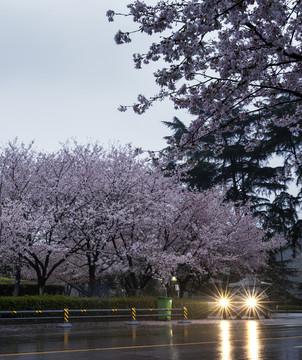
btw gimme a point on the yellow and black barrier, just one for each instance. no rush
(133, 320)
(66, 319)
(86, 314)
(185, 320)
(185, 313)
(133, 314)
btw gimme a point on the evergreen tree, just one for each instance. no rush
(251, 175)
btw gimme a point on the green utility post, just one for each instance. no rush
(164, 303)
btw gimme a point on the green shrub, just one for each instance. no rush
(133, 302)
(197, 309)
(5, 281)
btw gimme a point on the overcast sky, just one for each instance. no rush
(63, 76)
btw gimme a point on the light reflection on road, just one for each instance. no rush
(252, 345)
(253, 341)
(66, 337)
(278, 338)
(225, 340)
(134, 335)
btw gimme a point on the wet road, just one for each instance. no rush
(279, 338)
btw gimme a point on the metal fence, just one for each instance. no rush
(75, 314)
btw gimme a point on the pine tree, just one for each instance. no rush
(251, 175)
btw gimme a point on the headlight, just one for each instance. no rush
(224, 302)
(251, 302)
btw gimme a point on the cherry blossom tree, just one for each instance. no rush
(88, 213)
(136, 224)
(162, 227)
(16, 183)
(58, 197)
(38, 224)
(220, 238)
(93, 223)
(140, 197)
(115, 223)
(222, 61)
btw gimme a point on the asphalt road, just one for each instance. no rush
(273, 339)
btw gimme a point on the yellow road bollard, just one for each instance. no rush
(66, 319)
(185, 319)
(133, 316)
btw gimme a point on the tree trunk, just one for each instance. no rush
(41, 289)
(93, 287)
(41, 285)
(182, 286)
(17, 281)
(93, 284)
(130, 285)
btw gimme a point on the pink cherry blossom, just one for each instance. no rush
(224, 59)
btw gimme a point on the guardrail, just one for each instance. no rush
(67, 314)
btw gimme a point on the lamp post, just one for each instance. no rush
(176, 286)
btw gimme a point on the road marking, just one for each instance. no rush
(142, 346)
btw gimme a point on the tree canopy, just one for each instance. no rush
(222, 56)
(83, 213)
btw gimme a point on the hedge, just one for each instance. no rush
(197, 309)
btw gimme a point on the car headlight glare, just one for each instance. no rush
(224, 302)
(251, 302)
